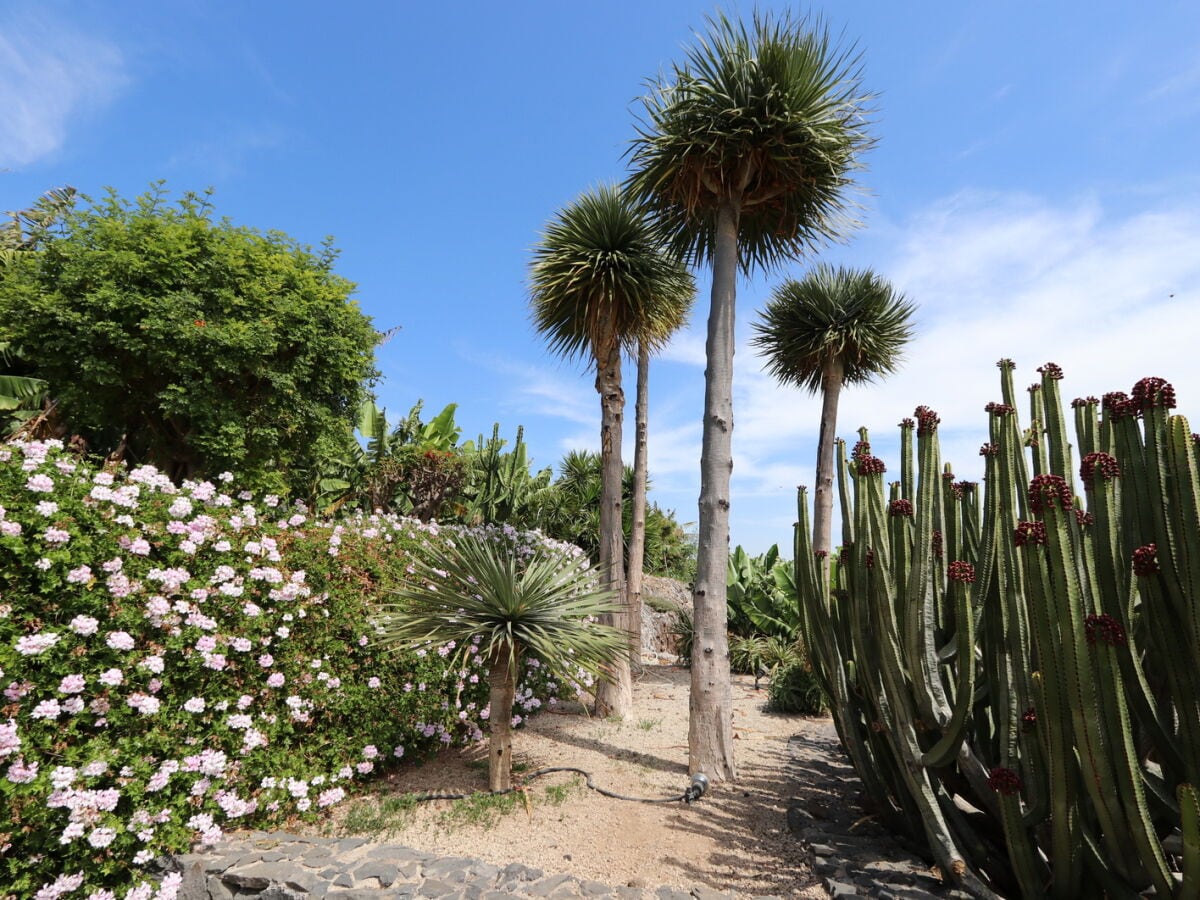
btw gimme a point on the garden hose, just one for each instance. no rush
(694, 791)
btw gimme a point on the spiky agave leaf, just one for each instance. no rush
(543, 604)
(600, 275)
(851, 314)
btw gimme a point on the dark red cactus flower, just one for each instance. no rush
(871, 465)
(1151, 392)
(1103, 465)
(1029, 719)
(1006, 364)
(1084, 518)
(1029, 533)
(927, 420)
(962, 488)
(1196, 439)
(1145, 561)
(1116, 405)
(1004, 781)
(862, 448)
(989, 450)
(1035, 387)
(1105, 629)
(907, 423)
(870, 558)
(936, 544)
(1000, 409)
(962, 572)
(1051, 370)
(1083, 401)
(1046, 490)
(820, 554)
(900, 508)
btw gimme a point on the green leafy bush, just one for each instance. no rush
(180, 660)
(795, 689)
(191, 343)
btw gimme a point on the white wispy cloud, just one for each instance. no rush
(50, 75)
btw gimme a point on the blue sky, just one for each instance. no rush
(1034, 190)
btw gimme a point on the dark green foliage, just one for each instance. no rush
(684, 632)
(773, 114)
(852, 315)
(762, 595)
(795, 689)
(1035, 657)
(191, 343)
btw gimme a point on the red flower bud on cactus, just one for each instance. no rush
(1051, 370)
(900, 508)
(907, 423)
(1035, 387)
(870, 465)
(1046, 490)
(936, 544)
(962, 488)
(1083, 401)
(1117, 405)
(962, 572)
(1006, 364)
(1105, 629)
(1004, 781)
(1084, 518)
(862, 448)
(870, 558)
(1032, 533)
(1145, 561)
(1100, 465)
(1000, 409)
(1029, 719)
(820, 554)
(927, 420)
(1151, 392)
(989, 450)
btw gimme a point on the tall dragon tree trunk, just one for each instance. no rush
(614, 696)
(710, 727)
(502, 679)
(831, 388)
(637, 531)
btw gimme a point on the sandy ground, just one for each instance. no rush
(734, 839)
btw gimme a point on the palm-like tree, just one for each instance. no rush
(599, 275)
(833, 327)
(489, 599)
(744, 154)
(646, 344)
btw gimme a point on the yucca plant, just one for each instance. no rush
(481, 597)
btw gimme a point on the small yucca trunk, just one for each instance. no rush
(502, 676)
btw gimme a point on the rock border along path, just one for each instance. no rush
(852, 856)
(278, 866)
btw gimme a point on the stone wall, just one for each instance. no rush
(658, 644)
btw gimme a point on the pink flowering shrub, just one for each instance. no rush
(179, 661)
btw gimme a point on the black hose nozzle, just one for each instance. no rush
(697, 788)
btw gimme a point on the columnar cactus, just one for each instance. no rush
(1034, 658)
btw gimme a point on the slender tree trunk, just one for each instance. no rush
(613, 697)
(710, 728)
(831, 387)
(503, 683)
(637, 530)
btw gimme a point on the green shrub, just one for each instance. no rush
(794, 689)
(178, 662)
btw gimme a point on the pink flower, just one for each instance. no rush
(370, 751)
(101, 837)
(112, 677)
(373, 682)
(194, 705)
(214, 661)
(56, 536)
(72, 684)
(84, 626)
(276, 680)
(120, 640)
(21, 772)
(34, 644)
(47, 709)
(40, 483)
(10, 741)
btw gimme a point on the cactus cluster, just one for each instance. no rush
(1015, 672)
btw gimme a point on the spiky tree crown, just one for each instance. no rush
(854, 316)
(772, 117)
(600, 275)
